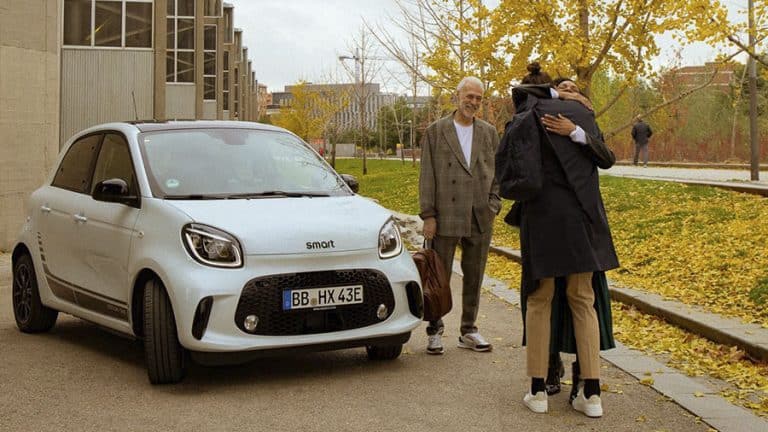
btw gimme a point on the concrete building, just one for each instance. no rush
(161, 59)
(30, 37)
(66, 65)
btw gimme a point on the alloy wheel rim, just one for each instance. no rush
(22, 293)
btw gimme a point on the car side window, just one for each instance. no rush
(114, 162)
(74, 172)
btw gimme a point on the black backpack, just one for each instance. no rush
(518, 158)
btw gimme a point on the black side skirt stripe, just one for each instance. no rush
(86, 299)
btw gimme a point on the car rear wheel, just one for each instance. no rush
(164, 354)
(30, 313)
(384, 352)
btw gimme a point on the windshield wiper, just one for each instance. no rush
(277, 194)
(194, 197)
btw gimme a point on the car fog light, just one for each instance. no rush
(381, 313)
(251, 321)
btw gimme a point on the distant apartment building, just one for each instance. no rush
(66, 65)
(349, 117)
(264, 100)
(722, 77)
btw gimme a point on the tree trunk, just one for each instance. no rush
(584, 72)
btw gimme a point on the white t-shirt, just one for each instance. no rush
(465, 139)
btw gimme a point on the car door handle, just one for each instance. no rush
(80, 218)
(45, 209)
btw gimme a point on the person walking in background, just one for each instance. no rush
(458, 196)
(641, 131)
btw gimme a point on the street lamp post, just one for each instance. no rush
(361, 99)
(410, 138)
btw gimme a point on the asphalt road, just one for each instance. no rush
(79, 377)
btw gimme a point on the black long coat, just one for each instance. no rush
(564, 229)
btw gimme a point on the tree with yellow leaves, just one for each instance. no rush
(311, 109)
(573, 38)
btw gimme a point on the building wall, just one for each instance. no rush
(29, 105)
(96, 87)
(180, 102)
(209, 110)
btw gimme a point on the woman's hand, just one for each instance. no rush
(559, 125)
(578, 97)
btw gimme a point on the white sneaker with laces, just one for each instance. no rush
(435, 344)
(536, 403)
(474, 341)
(592, 407)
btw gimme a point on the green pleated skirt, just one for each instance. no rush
(563, 338)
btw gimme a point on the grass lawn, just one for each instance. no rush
(695, 244)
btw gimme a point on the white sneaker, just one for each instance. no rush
(538, 403)
(435, 345)
(592, 407)
(474, 341)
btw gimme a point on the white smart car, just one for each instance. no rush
(224, 240)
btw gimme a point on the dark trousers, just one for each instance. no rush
(641, 148)
(474, 254)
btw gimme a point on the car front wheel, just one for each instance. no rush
(384, 352)
(164, 354)
(30, 313)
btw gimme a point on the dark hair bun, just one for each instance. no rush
(534, 68)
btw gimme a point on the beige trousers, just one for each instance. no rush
(581, 299)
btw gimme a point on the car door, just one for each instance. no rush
(107, 231)
(58, 215)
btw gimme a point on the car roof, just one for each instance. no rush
(153, 125)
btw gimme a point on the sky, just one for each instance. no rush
(292, 40)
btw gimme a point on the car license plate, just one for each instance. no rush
(322, 297)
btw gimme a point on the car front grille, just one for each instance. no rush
(263, 297)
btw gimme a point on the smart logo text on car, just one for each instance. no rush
(321, 245)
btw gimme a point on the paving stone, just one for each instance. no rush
(678, 385)
(713, 406)
(637, 364)
(738, 424)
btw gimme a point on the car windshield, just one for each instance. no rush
(234, 163)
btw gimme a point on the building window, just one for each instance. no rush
(209, 63)
(180, 57)
(229, 30)
(108, 23)
(77, 22)
(225, 81)
(236, 89)
(213, 8)
(138, 24)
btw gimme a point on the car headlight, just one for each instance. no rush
(211, 246)
(390, 244)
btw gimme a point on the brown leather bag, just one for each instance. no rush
(435, 284)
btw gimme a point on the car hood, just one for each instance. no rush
(269, 226)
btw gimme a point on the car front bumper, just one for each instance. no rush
(189, 285)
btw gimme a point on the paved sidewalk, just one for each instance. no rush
(698, 174)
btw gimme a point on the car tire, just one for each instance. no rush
(28, 310)
(165, 357)
(384, 352)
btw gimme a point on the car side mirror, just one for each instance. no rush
(114, 190)
(351, 181)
